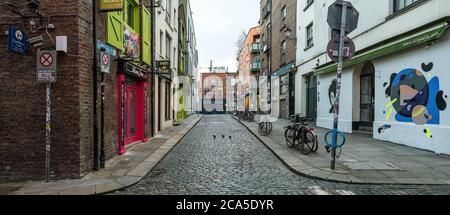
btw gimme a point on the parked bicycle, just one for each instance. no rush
(265, 127)
(301, 137)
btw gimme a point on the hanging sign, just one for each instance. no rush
(111, 5)
(46, 66)
(108, 49)
(105, 62)
(17, 40)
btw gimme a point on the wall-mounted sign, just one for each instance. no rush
(134, 70)
(17, 40)
(163, 68)
(105, 62)
(108, 49)
(111, 5)
(46, 66)
(131, 43)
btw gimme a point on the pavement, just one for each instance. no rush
(364, 160)
(120, 172)
(221, 157)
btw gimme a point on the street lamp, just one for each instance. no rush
(288, 34)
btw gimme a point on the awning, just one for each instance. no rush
(432, 33)
(284, 70)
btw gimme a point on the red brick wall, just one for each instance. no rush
(22, 110)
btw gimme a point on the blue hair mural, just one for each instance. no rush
(414, 98)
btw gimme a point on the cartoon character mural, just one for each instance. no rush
(332, 94)
(414, 98)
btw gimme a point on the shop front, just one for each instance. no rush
(132, 86)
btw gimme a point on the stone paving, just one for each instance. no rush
(120, 172)
(363, 160)
(220, 156)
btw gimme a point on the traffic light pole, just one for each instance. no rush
(338, 87)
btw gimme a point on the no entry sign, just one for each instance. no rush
(46, 66)
(105, 62)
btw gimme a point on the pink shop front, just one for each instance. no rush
(132, 97)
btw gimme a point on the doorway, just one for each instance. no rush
(291, 94)
(131, 98)
(311, 97)
(367, 95)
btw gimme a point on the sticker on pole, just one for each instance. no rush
(46, 66)
(105, 62)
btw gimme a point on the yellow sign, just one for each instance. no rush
(111, 5)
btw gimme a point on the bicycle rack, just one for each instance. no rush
(334, 145)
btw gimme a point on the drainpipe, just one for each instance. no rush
(94, 78)
(152, 76)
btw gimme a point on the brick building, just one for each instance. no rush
(76, 124)
(249, 66)
(278, 24)
(214, 89)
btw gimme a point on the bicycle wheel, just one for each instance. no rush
(303, 148)
(311, 141)
(270, 126)
(262, 129)
(289, 134)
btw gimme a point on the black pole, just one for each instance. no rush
(152, 91)
(102, 123)
(95, 87)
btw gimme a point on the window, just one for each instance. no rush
(283, 53)
(130, 14)
(309, 36)
(175, 18)
(283, 17)
(168, 99)
(308, 4)
(168, 46)
(401, 4)
(161, 40)
(168, 10)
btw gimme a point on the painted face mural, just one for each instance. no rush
(414, 98)
(332, 94)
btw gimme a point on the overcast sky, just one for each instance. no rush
(217, 25)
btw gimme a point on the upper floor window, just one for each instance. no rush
(283, 53)
(283, 17)
(309, 36)
(401, 4)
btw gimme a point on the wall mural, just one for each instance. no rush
(414, 98)
(332, 94)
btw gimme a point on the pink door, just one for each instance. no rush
(131, 112)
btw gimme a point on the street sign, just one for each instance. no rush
(46, 66)
(105, 62)
(17, 40)
(111, 5)
(335, 16)
(333, 49)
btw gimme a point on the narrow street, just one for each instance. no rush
(219, 156)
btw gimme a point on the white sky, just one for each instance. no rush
(217, 26)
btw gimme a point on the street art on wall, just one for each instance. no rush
(414, 98)
(332, 94)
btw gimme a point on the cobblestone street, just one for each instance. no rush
(219, 156)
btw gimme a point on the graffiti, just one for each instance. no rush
(383, 128)
(427, 67)
(332, 94)
(414, 98)
(440, 102)
(428, 133)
